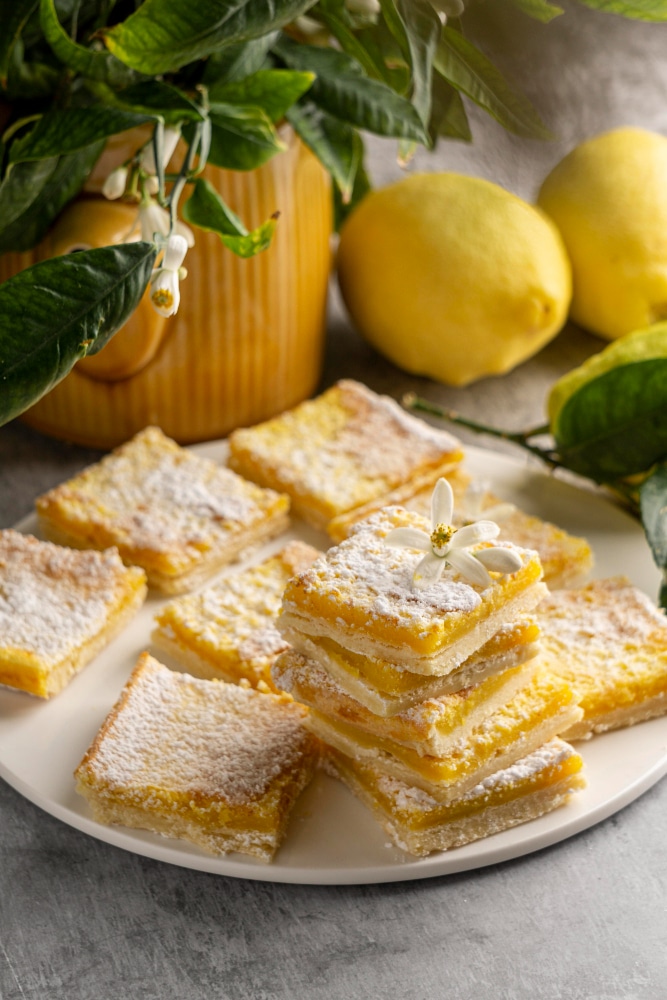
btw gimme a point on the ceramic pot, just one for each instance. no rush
(247, 341)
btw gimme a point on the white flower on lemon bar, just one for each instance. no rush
(447, 544)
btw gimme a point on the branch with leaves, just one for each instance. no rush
(220, 75)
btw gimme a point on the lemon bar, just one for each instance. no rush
(228, 630)
(566, 559)
(58, 608)
(348, 449)
(388, 688)
(531, 787)
(361, 595)
(213, 763)
(179, 516)
(543, 709)
(433, 727)
(609, 641)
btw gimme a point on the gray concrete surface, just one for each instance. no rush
(584, 920)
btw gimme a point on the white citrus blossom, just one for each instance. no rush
(169, 142)
(155, 219)
(447, 545)
(114, 185)
(165, 291)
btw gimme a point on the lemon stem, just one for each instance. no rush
(521, 438)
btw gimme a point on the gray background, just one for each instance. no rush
(585, 920)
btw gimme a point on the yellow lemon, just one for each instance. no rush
(453, 277)
(608, 197)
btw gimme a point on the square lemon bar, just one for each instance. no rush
(58, 608)
(609, 642)
(360, 594)
(213, 763)
(228, 630)
(179, 516)
(347, 450)
(529, 788)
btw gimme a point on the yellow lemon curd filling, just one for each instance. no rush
(391, 678)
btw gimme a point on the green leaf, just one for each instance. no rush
(206, 209)
(361, 187)
(100, 66)
(422, 29)
(61, 132)
(640, 10)
(163, 35)
(60, 310)
(13, 16)
(272, 90)
(448, 116)
(156, 98)
(349, 41)
(343, 90)
(614, 425)
(653, 505)
(29, 79)
(469, 71)
(540, 10)
(242, 138)
(237, 61)
(33, 194)
(336, 145)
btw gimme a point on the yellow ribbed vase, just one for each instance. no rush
(247, 340)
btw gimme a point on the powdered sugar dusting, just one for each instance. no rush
(203, 738)
(152, 496)
(52, 599)
(365, 572)
(327, 448)
(605, 615)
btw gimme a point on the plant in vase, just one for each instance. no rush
(209, 84)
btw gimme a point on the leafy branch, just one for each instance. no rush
(606, 424)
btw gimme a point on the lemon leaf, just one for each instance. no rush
(639, 10)
(653, 505)
(467, 69)
(60, 310)
(614, 425)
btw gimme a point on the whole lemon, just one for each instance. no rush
(453, 277)
(608, 197)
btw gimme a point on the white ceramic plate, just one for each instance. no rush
(333, 839)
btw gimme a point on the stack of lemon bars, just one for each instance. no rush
(411, 646)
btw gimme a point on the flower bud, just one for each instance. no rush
(114, 185)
